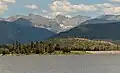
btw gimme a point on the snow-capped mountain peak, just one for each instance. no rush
(59, 24)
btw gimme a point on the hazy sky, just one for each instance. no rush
(49, 8)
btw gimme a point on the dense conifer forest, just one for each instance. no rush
(64, 45)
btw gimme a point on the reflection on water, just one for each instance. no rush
(61, 64)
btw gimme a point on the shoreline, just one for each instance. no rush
(67, 54)
(104, 52)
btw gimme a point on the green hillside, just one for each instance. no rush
(94, 31)
(81, 44)
(58, 46)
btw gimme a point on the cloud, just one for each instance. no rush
(107, 8)
(65, 7)
(32, 6)
(115, 0)
(4, 5)
(112, 10)
(46, 13)
(8, 1)
(43, 10)
(69, 16)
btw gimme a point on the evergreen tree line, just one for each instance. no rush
(51, 46)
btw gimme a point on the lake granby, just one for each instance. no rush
(60, 64)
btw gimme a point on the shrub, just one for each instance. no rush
(1, 50)
(66, 50)
(50, 51)
(6, 51)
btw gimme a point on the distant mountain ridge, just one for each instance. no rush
(31, 28)
(11, 32)
(94, 31)
(59, 24)
(2, 19)
(110, 17)
(35, 27)
(103, 19)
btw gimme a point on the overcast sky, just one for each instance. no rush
(49, 8)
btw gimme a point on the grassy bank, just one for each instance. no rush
(72, 53)
(55, 53)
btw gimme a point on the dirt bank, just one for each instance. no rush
(104, 52)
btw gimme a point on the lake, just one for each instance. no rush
(60, 64)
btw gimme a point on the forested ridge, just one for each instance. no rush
(64, 45)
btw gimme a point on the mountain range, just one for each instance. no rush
(11, 32)
(59, 24)
(103, 31)
(104, 27)
(35, 27)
